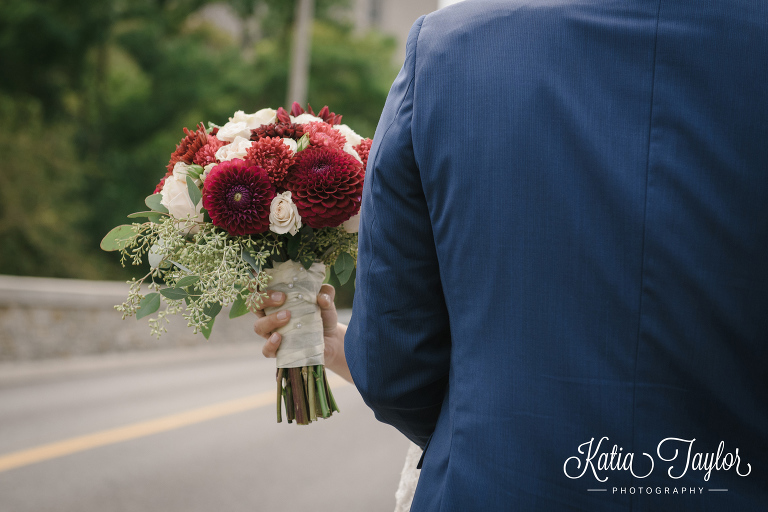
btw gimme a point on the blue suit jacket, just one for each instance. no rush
(564, 237)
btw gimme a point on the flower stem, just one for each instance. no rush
(299, 398)
(279, 395)
(310, 393)
(288, 397)
(321, 395)
(331, 401)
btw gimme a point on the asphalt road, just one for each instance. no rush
(183, 430)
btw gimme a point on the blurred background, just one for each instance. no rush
(94, 413)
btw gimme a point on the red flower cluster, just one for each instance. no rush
(272, 155)
(362, 151)
(238, 196)
(326, 185)
(207, 154)
(188, 147)
(326, 182)
(324, 135)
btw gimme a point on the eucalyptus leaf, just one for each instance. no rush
(306, 231)
(155, 217)
(207, 328)
(194, 192)
(181, 267)
(195, 171)
(251, 261)
(293, 247)
(212, 309)
(187, 281)
(343, 267)
(307, 260)
(148, 305)
(117, 238)
(153, 202)
(173, 293)
(239, 308)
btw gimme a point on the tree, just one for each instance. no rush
(94, 96)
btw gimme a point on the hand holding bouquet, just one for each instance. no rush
(269, 200)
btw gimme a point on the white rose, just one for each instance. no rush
(352, 225)
(348, 149)
(238, 149)
(291, 144)
(207, 171)
(180, 172)
(176, 199)
(263, 116)
(305, 118)
(283, 215)
(233, 129)
(349, 134)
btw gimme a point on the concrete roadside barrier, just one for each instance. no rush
(43, 318)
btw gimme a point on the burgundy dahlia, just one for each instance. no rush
(237, 196)
(272, 155)
(325, 113)
(326, 185)
(280, 129)
(362, 151)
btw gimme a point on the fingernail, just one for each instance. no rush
(273, 338)
(326, 298)
(276, 296)
(282, 315)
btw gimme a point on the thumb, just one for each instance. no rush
(327, 307)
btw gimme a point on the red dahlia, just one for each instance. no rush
(326, 185)
(207, 154)
(272, 155)
(325, 113)
(188, 147)
(282, 130)
(362, 151)
(237, 196)
(322, 134)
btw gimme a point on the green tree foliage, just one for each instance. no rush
(94, 95)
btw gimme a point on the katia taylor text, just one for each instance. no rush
(676, 455)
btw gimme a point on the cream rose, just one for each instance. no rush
(233, 129)
(291, 144)
(207, 170)
(263, 116)
(176, 198)
(238, 149)
(350, 150)
(305, 118)
(283, 215)
(352, 138)
(352, 225)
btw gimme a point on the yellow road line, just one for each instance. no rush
(141, 429)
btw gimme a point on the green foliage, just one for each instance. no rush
(208, 269)
(43, 206)
(94, 96)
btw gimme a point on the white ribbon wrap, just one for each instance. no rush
(302, 343)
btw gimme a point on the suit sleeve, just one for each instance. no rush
(398, 344)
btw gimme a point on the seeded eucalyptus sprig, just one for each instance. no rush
(204, 269)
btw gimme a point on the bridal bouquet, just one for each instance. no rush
(268, 200)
